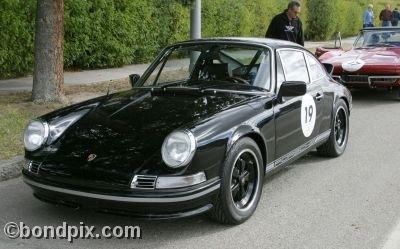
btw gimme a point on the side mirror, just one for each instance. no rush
(133, 79)
(329, 67)
(292, 89)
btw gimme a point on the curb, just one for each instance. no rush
(11, 168)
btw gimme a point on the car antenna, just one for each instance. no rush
(108, 88)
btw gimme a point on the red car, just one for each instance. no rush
(373, 62)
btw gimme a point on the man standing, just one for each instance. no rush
(386, 16)
(287, 25)
(395, 17)
(368, 17)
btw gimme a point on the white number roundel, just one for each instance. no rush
(308, 114)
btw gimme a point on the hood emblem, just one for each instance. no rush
(353, 66)
(91, 157)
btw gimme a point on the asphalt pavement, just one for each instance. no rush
(350, 202)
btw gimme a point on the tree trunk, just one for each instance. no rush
(48, 77)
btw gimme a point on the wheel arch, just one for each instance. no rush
(254, 134)
(347, 103)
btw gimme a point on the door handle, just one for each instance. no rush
(319, 96)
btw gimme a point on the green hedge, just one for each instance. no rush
(111, 33)
(17, 20)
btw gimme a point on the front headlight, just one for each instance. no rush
(36, 134)
(178, 149)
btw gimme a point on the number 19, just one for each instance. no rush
(309, 113)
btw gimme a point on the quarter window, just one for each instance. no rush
(316, 70)
(294, 65)
(280, 76)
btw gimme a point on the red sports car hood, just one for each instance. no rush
(356, 59)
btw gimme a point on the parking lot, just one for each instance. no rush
(348, 202)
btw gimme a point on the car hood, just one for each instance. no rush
(125, 133)
(358, 59)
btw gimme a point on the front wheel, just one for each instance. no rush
(241, 183)
(337, 141)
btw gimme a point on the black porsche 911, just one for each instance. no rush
(198, 132)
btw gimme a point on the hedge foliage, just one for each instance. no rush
(17, 20)
(110, 33)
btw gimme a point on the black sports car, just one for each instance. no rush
(198, 132)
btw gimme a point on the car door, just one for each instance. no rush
(296, 118)
(324, 95)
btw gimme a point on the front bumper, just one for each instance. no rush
(184, 202)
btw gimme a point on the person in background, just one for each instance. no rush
(386, 16)
(287, 25)
(395, 17)
(369, 17)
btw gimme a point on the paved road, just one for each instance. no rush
(350, 202)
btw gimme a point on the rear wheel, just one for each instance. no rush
(337, 142)
(241, 183)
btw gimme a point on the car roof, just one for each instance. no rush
(274, 43)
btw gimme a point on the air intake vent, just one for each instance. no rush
(34, 167)
(144, 182)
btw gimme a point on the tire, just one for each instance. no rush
(337, 142)
(241, 183)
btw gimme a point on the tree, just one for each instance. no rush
(48, 77)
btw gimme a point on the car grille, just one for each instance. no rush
(384, 80)
(354, 78)
(34, 167)
(144, 182)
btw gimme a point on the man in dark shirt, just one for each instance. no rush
(287, 25)
(386, 16)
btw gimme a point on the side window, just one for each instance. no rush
(316, 70)
(294, 65)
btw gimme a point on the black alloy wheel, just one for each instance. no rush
(241, 183)
(337, 142)
(244, 179)
(340, 128)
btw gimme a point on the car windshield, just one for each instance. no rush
(211, 65)
(378, 38)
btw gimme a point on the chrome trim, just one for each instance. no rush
(324, 135)
(123, 198)
(270, 167)
(32, 164)
(143, 182)
(168, 182)
(297, 151)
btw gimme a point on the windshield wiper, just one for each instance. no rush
(238, 85)
(172, 84)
